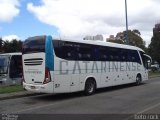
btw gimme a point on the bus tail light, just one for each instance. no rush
(47, 78)
(23, 80)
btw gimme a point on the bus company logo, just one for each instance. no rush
(74, 67)
(33, 72)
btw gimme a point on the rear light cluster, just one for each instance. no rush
(23, 79)
(47, 78)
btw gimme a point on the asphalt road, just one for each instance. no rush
(125, 99)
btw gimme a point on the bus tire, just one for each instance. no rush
(138, 79)
(90, 87)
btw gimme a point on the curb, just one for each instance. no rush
(154, 76)
(17, 95)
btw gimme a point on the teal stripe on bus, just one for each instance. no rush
(49, 53)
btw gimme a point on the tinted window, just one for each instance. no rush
(87, 52)
(103, 54)
(114, 54)
(4, 64)
(123, 55)
(144, 60)
(65, 50)
(72, 51)
(34, 44)
(15, 66)
(133, 56)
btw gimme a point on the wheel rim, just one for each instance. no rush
(138, 80)
(90, 87)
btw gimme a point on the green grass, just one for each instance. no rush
(154, 74)
(10, 89)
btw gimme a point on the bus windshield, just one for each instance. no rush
(3, 64)
(34, 44)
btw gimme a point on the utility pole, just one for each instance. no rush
(127, 42)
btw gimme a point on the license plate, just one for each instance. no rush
(33, 87)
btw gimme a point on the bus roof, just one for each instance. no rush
(94, 42)
(102, 43)
(15, 53)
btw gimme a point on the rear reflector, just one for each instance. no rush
(23, 80)
(47, 78)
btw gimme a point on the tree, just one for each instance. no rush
(12, 46)
(133, 37)
(1, 45)
(117, 41)
(154, 47)
(6, 46)
(137, 32)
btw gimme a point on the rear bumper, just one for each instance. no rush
(3, 80)
(45, 88)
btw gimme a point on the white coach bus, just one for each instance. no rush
(63, 66)
(10, 68)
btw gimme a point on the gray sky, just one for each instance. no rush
(78, 18)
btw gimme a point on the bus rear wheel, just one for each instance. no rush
(138, 79)
(90, 87)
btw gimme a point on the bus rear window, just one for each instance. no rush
(34, 44)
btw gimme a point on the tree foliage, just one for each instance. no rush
(134, 37)
(9, 47)
(117, 41)
(136, 32)
(154, 47)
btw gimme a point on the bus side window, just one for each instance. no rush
(123, 55)
(58, 48)
(137, 57)
(103, 54)
(114, 54)
(15, 70)
(84, 52)
(129, 56)
(64, 50)
(144, 60)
